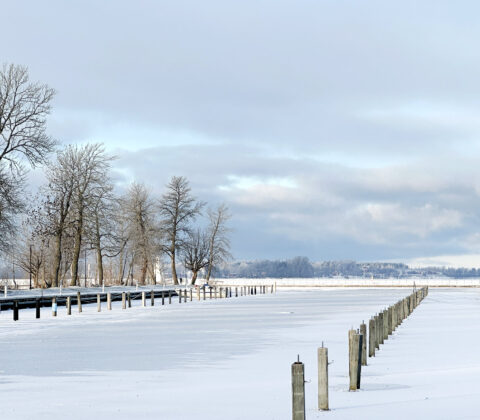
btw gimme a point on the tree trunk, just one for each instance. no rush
(194, 277)
(143, 273)
(57, 260)
(76, 250)
(100, 266)
(174, 269)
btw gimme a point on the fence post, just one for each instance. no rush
(124, 301)
(298, 391)
(361, 339)
(109, 301)
(99, 303)
(353, 353)
(371, 338)
(152, 298)
(37, 308)
(69, 305)
(79, 302)
(143, 299)
(191, 295)
(15, 310)
(363, 331)
(169, 297)
(129, 298)
(54, 306)
(322, 355)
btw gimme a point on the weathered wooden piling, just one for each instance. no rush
(54, 306)
(353, 358)
(371, 337)
(79, 302)
(322, 355)
(15, 310)
(363, 331)
(385, 325)
(361, 339)
(298, 391)
(380, 316)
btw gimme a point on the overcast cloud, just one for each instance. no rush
(333, 129)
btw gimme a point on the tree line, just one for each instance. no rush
(301, 267)
(78, 211)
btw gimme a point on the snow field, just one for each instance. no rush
(231, 358)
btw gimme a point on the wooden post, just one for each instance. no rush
(363, 331)
(198, 293)
(390, 329)
(109, 301)
(191, 295)
(371, 338)
(380, 315)
(144, 298)
(185, 293)
(163, 298)
(69, 305)
(179, 296)
(322, 355)
(169, 297)
(124, 301)
(152, 298)
(377, 334)
(353, 346)
(79, 302)
(298, 391)
(37, 308)
(54, 306)
(361, 339)
(129, 299)
(236, 291)
(15, 310)
(385, 324)
(204, 293)
(99, 303)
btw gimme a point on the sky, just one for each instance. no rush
(332, 129)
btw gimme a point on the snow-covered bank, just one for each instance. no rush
(230, 359)
(351, 282)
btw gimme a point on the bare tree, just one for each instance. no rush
(177, 209)
(219, 242)
(24, 107)
(54, 214)
(10, 204)
(90, 165)
(195, 252)
(102, 230)
(141, 229)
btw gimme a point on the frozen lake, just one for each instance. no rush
(230, 358)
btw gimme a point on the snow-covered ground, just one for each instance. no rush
(230, 358)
